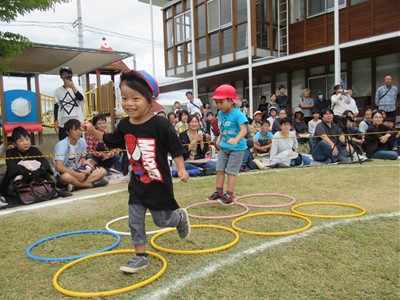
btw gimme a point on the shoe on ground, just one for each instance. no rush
(215, 196)
(184, 224)
(345, 160)
(61, 193)
(135, 264)
(3, 203)
(227, 199)
(70, 188)
(100, 183)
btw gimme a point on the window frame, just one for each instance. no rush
(326, 10)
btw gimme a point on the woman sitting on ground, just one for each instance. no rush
(17, 168)
(104, 157)
(194, 142)
(182, 124)
(379, 139)
(285, 146)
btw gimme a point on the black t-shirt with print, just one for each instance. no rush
(147, 146)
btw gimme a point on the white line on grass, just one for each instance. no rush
(179, 284)
(56, 202)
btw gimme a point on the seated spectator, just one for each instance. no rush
(98, 151)
(330, 145)
(247, 162)
(255, 126)
(172, 118)
(378, 139)
(284, 143)
(300, 127)
(206, 110)
(199, 117)
(272, 103)
(364, 124)
(162, 113)
(262, 139)
(208, 126)
(390, 122)
(355, 136)
(272, 113)
(68, 156)
(276, 126)
(196, 146)
(16, 170)
(182, 125)
(176, 108)
(311, 126)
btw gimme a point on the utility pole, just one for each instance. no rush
(79, 24)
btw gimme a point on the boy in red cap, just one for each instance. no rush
(231, 143)
(148, 139)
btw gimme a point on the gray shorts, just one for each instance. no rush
(137, 216)
(229, 161)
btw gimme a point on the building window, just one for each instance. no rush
(179, 55)
(354, 2)
(189, 52)
(241, 37)
(170, 36)
(201, 20)
(227, 41)
(262, 35)
(182, 27)
(202, 49)
(219, 14)
(241, 11)
(170, 58)
(214, 45)
(318, 7)
(296, 11)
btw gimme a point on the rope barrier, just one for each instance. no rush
(211, 142)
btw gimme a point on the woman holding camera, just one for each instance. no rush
(339, 102)
(68, 102)
(196, 146)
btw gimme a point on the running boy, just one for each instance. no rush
(233, 127)
(148, 140)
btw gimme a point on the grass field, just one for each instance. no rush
(355, 258)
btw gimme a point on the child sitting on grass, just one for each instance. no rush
(148, 140)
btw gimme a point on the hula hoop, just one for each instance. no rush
(128, 233)
(266, 233)
(217, 217)
(110, 292)
(173, 251)
(363, 211)
(34, 257)
(293, 200)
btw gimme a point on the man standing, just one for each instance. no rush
(353, 105)
(282, 99)
(329, 144)
(194, 105)
(69, 155)
(386, 97)
(307, 105)
(68, 102)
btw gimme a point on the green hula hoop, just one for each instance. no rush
(363, 211)
(110, 292)
(268, 233)
(174, 251)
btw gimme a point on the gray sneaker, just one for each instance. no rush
(184, 224)
(135, 264)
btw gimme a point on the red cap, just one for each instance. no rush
(226, 91)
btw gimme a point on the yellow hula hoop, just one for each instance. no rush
(267, 233)
(363, 211)
(110, 292)
(173, 251)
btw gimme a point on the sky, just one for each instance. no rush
(127, 17)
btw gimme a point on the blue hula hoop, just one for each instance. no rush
(34, 257)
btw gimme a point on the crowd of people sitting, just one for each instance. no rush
(330, 132)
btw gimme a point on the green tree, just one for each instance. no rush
(12, 44)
